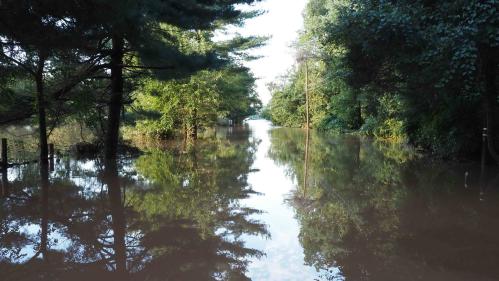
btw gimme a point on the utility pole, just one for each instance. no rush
(307, 125)
(302, 57)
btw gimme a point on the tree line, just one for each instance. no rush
(423, 71)
(153, 64)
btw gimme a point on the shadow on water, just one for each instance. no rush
(372, 211)
(166, 215)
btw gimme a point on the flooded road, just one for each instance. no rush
(256, 203)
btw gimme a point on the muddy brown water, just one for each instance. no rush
(256, 203)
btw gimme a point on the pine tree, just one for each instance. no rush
(136, 32)
(34, 35)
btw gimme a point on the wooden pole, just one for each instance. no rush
(51, 157)
(51, 150)
(307, 126)
(5, 160)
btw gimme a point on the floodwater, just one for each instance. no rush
(255, 203)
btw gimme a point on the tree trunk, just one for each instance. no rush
(116, 100)
(359, 113)
(42, 118)
(194, 134)
(194, 126)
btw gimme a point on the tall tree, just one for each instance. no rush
(422, 71)
(139, 40)
(35, 38)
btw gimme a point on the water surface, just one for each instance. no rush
(256, 203)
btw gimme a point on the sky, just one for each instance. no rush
(282, 20)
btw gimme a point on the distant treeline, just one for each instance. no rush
(418, 71)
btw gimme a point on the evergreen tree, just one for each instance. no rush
(138, 40)
(37, 40)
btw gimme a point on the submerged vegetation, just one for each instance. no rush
(422, 72)
(154, 65)
(157, 191)
(199, 102)
(418, 71)
(86, 75)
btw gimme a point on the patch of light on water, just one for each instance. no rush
(284, 259)
(55, 237)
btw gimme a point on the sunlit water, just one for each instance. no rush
(284, 258)
(259, 203)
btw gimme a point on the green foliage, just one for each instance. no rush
(86, 63)
(177, 103)
(195, 103)
(416, 71)
(265, 113)
(288, 102)
(238, 96)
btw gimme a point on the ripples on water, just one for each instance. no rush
(253, 204)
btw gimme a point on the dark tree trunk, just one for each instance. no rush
(44, 154)
(193, 130)
(118, 216)
(194, 133)
(357, 114)
(42, 118)
(116, 100)
(5, 184)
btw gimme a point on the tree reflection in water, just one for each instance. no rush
(162, 216)
(374, 211)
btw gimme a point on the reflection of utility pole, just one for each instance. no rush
(305, 172)
(483, 162)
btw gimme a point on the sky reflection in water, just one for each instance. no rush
(260, 204)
